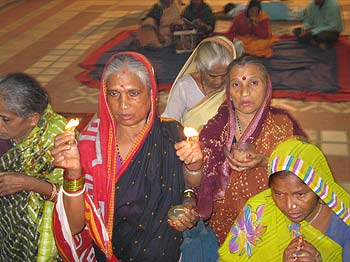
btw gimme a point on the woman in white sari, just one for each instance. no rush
(198, 90)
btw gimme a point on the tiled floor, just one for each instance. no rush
(48, 39)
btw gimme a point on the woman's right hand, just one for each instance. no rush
(66, 154)
(301, 250)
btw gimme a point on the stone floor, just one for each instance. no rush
(49, 39)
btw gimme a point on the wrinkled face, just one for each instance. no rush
(253, 12)
(214, 78)
(293, 197)
(128, 99)
(247, 88)
(12, 126)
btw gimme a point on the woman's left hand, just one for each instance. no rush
(191, 219)
(252, 160)
(12, 182)
(189, 152)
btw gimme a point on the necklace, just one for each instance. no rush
(316, 215)
(239, 125)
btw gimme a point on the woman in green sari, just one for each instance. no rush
(28, 180)
(303, 216)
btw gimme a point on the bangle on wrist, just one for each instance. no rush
(192, 172)
(73, 185)
(76, 193)
(53, 194)
(189, 193)
(66, 177)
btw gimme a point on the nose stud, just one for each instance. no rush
(294, 206)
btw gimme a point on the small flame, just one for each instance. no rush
(190, 132)
(72, 124)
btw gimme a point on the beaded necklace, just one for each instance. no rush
(118, 152)
(239, 125)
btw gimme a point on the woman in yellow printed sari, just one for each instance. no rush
(198, 90)
(303, 216)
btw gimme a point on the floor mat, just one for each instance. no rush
(316, 75)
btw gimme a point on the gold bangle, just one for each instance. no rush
(74, 194)
(73, 185)
(189, 193)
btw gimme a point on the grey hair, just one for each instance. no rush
(211, 54)
(23, 95)
(248, 60)
(123, 62)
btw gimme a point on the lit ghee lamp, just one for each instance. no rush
(190, 132)
(71, 125)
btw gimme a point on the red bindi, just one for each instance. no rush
(244, 78)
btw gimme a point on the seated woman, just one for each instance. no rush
(247, 116)
(28, 178)
(199, 15)
(303, 216)
(198, 90)
(252, 27)
(155, 26)
(120, 184)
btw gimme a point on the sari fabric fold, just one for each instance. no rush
(25, 221)
(126, 201)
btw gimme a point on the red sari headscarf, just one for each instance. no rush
(126, 201)
(223, 192)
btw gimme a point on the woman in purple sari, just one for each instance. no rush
(247, 116)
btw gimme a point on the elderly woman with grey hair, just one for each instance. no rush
(129, 172)
(198, 90)
(28, 179)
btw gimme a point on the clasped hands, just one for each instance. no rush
(301, 250)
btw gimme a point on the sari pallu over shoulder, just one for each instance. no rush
(30, 222)
(110, 187)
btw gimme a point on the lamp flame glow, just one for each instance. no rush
(71, 125)
(190, 132)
